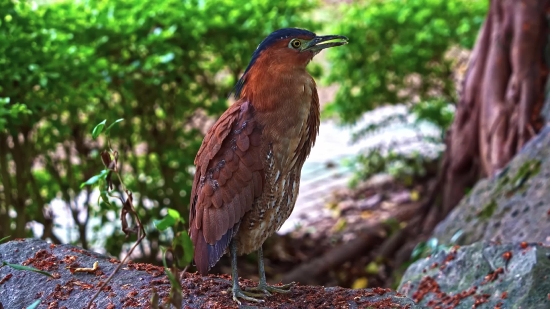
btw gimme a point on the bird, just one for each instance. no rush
(247, 170)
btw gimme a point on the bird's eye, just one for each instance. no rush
(295, 43)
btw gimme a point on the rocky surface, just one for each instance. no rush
(513, 206)
(132, 286)
(483, 275)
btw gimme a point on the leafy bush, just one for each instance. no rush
(403, 167)
(162, 66)
(407, 158)
(397, 52)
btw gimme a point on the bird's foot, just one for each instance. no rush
(268, 289)
(253, 297)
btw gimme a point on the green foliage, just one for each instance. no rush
(94, 179)
(422, 250)
(98, 129)
(487, 210)
(27, 268)
(11, 111)
(163, 66)
(398, 54)
(425, 248)
(184, 248)
(403, 167)
(173, 280)
(432, 246)
(397, 51)
(434, 111)
(169, 220)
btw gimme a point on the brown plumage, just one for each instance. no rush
(249, 164)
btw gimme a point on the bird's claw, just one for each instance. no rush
(238, 293)
(268, 289)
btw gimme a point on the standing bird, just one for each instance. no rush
(248, 167)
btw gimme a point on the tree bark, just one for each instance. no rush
(503, 94)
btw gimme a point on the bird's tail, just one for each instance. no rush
(207, 255)
(200, 256)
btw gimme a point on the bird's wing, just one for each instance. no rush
(229, 176)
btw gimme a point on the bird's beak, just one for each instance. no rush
(316, 46)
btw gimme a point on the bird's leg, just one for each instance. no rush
(262, 285)
(237, 291)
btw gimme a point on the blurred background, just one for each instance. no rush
(167, 67)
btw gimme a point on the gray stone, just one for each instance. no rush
(132, 286)
(513, 206)
(495, 275)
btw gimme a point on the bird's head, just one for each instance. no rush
(295, 47)
(288, 48)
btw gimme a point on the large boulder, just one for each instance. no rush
(513, 206)
(483, 275)
(132, 286)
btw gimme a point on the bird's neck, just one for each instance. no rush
(286, 104)
(278, 88)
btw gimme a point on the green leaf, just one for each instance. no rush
(35, 304)
(169, 220)
(174, 214)
(4, 239)
(432, 243)
(182, 239)
(173, 281)
(98, 129)
(28, 268)
(105, 198)
(95, 178)
(456, 236)
(418, 250)
(112, 124)
(164, 223)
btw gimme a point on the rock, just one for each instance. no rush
(377, 180)
(487, 274)
(513, 206)
(401, 197)
(346, 205)
(132, 286)
(370, 202)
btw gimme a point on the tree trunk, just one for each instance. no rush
(503, 94)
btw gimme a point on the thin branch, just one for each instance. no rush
(127, 207)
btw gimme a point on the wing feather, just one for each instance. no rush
(240, 203)
(243, 142)
(229, 176)
(308, 139)
(224, 175)
(249, 194)
(224, 218)
(234, 164)
(258, 184)
(217, 200)
(208, 232)
(232, 216)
